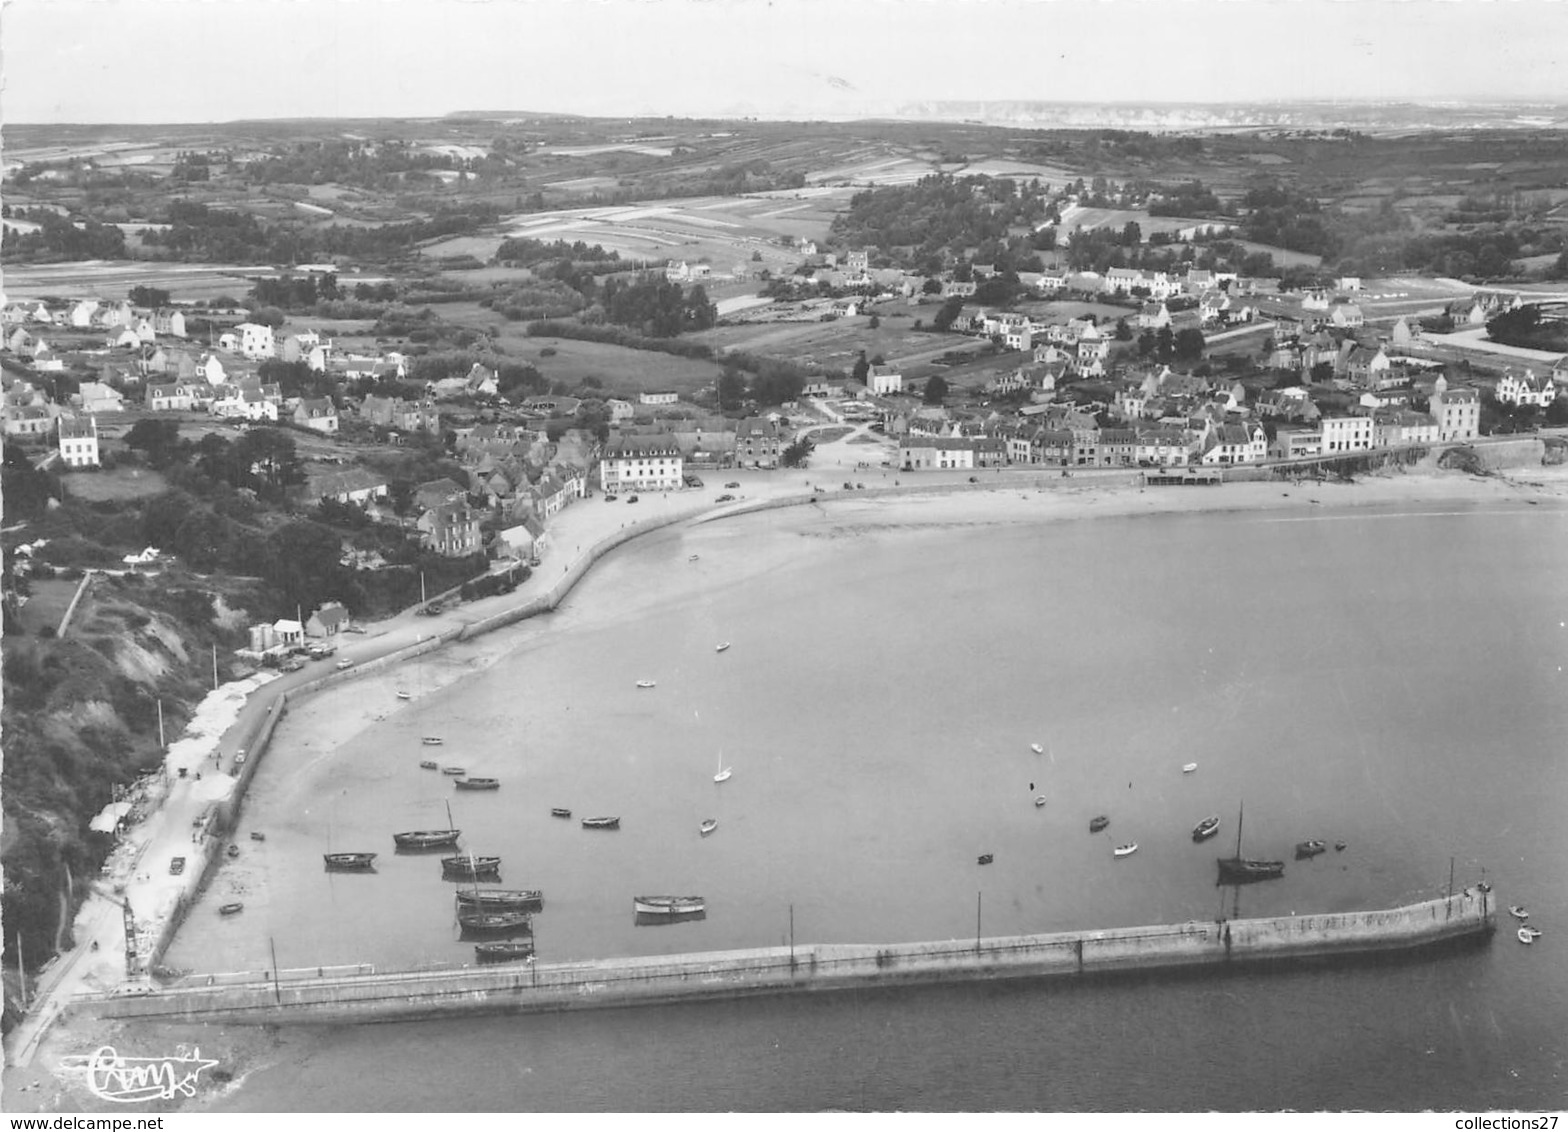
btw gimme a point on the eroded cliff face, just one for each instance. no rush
(80, 722)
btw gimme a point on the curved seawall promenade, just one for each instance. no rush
(363, 995)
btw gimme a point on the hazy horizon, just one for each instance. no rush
(193, 62)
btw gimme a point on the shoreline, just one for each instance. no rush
(333, 715)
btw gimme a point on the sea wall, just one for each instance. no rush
(362, 994)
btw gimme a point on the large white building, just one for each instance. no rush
(1456, 411)
(256, 342)
(79, 441)
(641, 463)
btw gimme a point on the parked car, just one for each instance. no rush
(610, 497)
(631, 499)
(692, 481)
(725, 498)
(177, 866)
(292, 664)
(344, 663)
(733, 485)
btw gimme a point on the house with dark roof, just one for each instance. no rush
(317, 413)
(451, 529)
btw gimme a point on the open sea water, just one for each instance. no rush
(1392, 678)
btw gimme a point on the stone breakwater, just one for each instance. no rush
(362, 994)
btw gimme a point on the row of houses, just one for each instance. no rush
(95, 314)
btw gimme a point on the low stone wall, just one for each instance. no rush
(362, 994)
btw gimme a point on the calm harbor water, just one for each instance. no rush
(1391, 679)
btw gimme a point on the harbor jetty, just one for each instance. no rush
(362, 994)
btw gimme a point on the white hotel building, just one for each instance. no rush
(641, 463)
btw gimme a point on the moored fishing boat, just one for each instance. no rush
(1098, 823)
(1517, 911)
(646, 684)
(504, 951)
(721, 646)
(502, 899)
(472, 783)
(233, 909)
(481, 921)
(1206, 828)
(468, 867)
(1189, 768)
(427, 838)
(560, 812)
(429, 764)
(1125, 850)
(1039, 799)
(404, 696)
(1036, 748)
(668, 905)
(1308, 849)
(348, 862)
(1242, 870)
(432, 740)
(708, 826)
(985, 858)
(601, 823)
(454, 771)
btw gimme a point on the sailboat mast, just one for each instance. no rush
(1240, 811)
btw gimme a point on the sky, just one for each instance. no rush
(140, 61)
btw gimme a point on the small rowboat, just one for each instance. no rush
(470, 867)
(1528, 935)
(985, 858)
(693, 558)
(405, 695)
(668, 905)
(1517, 911)
(1036, 748)
(1039, 799)
(601, 823)
(234, 850)
(432, 740)
(478, 784)
(349, 862)
(708, 826)
(456, 771)
(1098, 823)
(257, 835)
(1306, 850)
(502, 899)
(1189, 768)
(560, 812)
(645, 683)
(504, 951)
(430, 764)
(231, 909)
(1125, 850)
(721, 646)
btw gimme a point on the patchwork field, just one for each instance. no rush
(99, 279)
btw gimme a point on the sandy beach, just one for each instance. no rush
(324, 723)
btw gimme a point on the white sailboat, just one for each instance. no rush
(724, 771)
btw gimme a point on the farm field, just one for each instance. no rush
(722, 231)
(835, 344)
(102, 279)
(622, 371)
